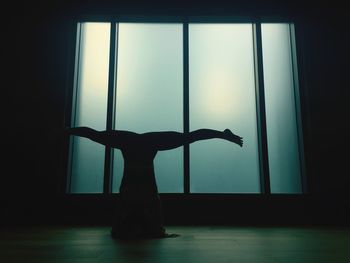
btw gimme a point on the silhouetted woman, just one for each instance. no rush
(140, 212)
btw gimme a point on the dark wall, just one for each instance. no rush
(37, 56)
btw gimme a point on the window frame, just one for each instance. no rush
(259, 94)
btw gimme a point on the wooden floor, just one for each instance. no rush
(196, 244)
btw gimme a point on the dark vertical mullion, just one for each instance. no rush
(186, 124)
(110, 108)
(114, 99)
(261, 114)
(297, 106)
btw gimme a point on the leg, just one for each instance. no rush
(113, 138)
(96, 136)
(165, 140)
(205, 134)
(170, 140)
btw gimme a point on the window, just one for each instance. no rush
(90, 106)
(185, 76)
(222, 95)
(280, 100)
(149, 93)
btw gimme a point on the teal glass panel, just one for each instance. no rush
(281, 119)
(90, 107)
(222, 95)
(149, 93)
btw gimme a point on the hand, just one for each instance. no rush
(229, 135)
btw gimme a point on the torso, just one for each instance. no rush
(139, 179)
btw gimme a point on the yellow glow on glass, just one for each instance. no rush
(222, 95)
(91, 107)
(219, 99)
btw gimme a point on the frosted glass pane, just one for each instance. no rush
(222, 95)
(91, 107)
(150, 91)
(280, 109)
